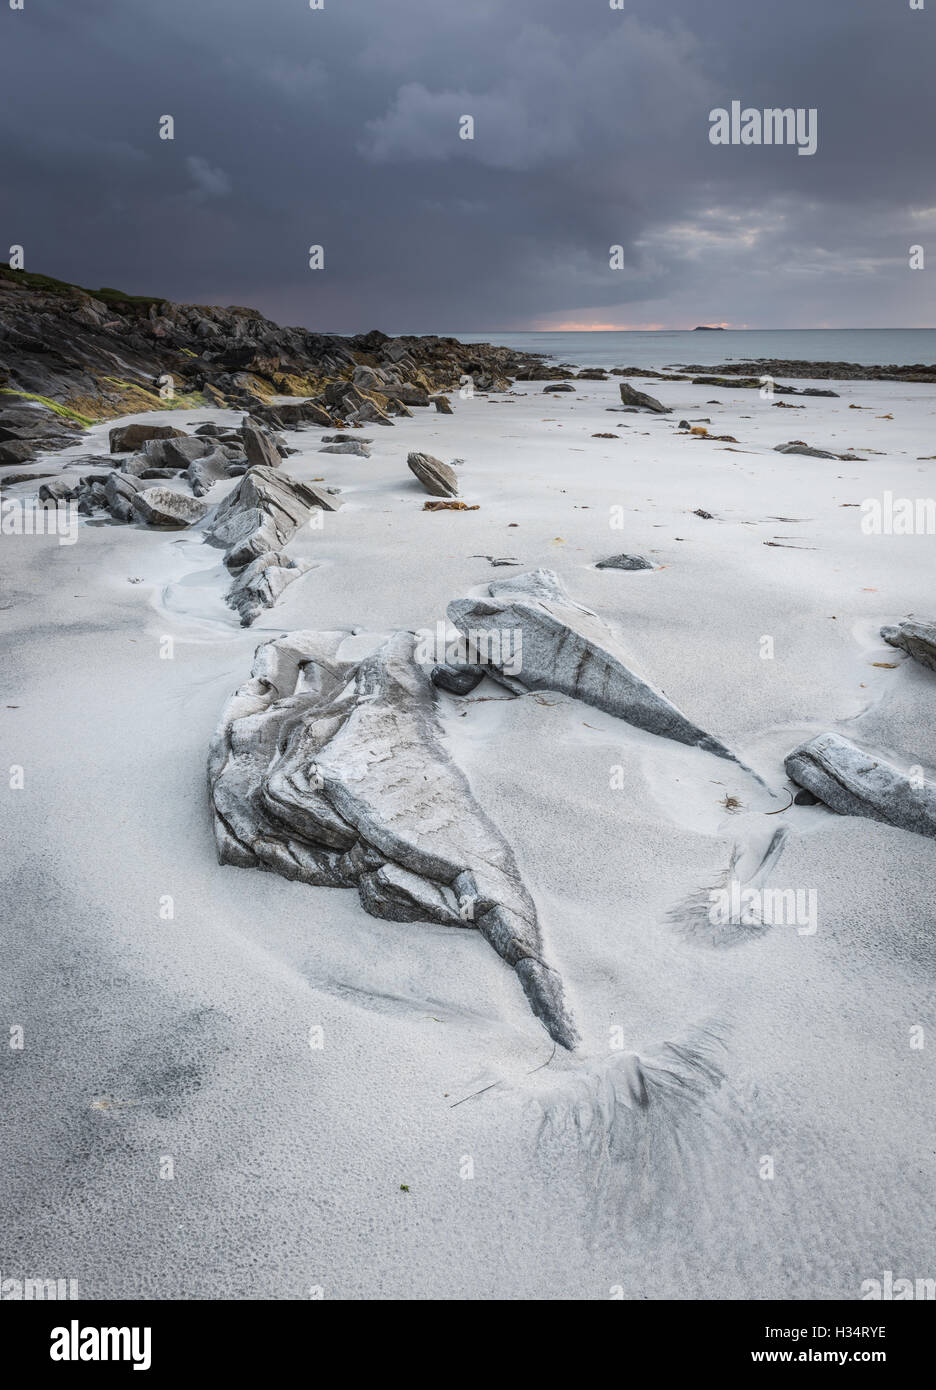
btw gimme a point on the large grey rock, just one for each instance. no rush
(855, 783)
(259, 447)
(159, 506)
(438, 478)
(176, 453)
(530, 626)
(202, 474)
(261, 583)
(119, 492)
(335, 773)
(262, 513)
(796, 447)
(442, 404)
(125, 439)
(640, 399)
(917, 639)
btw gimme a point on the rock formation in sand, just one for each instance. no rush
(537, 638)
(333, 772)
(855, 783)
(438, 478)
(639, 399)
(915, 638)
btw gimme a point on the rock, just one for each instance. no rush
(796, 446)
(157, 473)
(259, 585)
(176, 453)
(457, 680)
(345, 439)
(211, 430)
(450, 507)
(262, 513)
(259, 447)
(59, 490)
(202, 474)
(438, 478)
(805, 799)
(639, 399)
(126, 439)
(351, 447)
(562, 386)
(537, 638)
(160, 506)
(915, 638)
(592, 374)
(706, 516)
(119, 492)
(15, 451)
(855, 783)
(625, 562)
(442, 404)
(334, 773)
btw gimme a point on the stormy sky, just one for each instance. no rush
(340, 127)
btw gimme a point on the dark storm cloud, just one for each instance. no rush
(340, 127)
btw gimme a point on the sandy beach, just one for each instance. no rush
(358, 1108)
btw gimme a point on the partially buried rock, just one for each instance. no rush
(917, 639)
(442, 404)
(119, 492)
(544, 640)
(124, 439)
(640, 399)
(353, 446)
(625, 562)
(562, 386)
(159, 506)
(796, 446)
(437, 478)
(855, 783)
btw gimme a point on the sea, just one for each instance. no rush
(898, 347)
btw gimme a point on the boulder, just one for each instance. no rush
(639, 399)
(125, 439)
(259, 585)
(259, 447)
(442, 404)
(915, 638)
(262, 513)
(855, 783)
(438, 478)
(160, 506)
(119, 492)
(202, 474)
(176, 453)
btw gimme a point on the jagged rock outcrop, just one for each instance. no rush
(855, 783)
(915, 638)
(438, 478)
(253, 523)
(260, 449)
(101, 354)
(333, 772)
(530, 635)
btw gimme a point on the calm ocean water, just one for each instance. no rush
(867, 346)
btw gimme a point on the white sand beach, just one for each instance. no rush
(436, 1144)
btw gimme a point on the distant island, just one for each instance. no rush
(708, 328)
